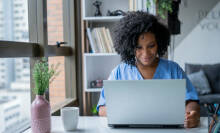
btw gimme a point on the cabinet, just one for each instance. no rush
(98, 65)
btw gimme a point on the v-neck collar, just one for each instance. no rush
(155, 73)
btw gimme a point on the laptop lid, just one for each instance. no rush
(145, 102)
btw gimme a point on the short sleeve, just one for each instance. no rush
(191, 93)
(112, 76)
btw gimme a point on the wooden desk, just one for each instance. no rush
(99, 125)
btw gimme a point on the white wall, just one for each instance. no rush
(199, 41)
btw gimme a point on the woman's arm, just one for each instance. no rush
(192, 116)
(102, 111)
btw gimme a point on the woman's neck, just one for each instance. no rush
(147, 72)
(149, 67)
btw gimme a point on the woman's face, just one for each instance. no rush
(146, 51)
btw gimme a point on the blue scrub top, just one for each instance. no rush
(165, 70)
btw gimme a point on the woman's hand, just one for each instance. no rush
(192, 116)
(102, 111)
(192, 119)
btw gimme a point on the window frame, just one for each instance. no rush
(38, 24)
(38, 45)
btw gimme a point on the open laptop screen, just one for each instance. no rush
(145, 102)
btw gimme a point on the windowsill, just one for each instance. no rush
(57, 107)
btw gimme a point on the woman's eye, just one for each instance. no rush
(138, 47)
(151, 46)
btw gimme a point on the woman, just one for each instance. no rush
(141, 40)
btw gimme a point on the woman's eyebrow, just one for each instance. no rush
(150, 42)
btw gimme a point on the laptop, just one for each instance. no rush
(145, 103)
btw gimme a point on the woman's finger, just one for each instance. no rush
(191, 123)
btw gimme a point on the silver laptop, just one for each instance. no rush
(145, 103)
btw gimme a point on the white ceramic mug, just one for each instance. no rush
(70, 117)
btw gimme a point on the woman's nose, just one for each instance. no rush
(145, 51)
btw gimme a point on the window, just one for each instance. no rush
(57, 88)
(11, 30)
(21, 47)
(55, 33)
(14, 96)
(16, 11)
(17, 5)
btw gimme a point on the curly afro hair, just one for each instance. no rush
(130, 27)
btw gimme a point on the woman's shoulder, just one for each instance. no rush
(122, 67)
(169, 63)
(120, 71)
(172, 68)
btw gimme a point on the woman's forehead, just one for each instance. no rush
(147, 36)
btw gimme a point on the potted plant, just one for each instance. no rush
(163, 6)
(94, 111)
(40, 108)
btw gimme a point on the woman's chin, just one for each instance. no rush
(146, 63)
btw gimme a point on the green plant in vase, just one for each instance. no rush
(43, 75)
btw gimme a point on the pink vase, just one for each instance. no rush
(40, 115)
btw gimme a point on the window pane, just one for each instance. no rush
(55, 21)
(14, 94)
(57, 87)
(55, 33)
(14, 20)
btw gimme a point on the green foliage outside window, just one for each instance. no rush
(163, 6)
